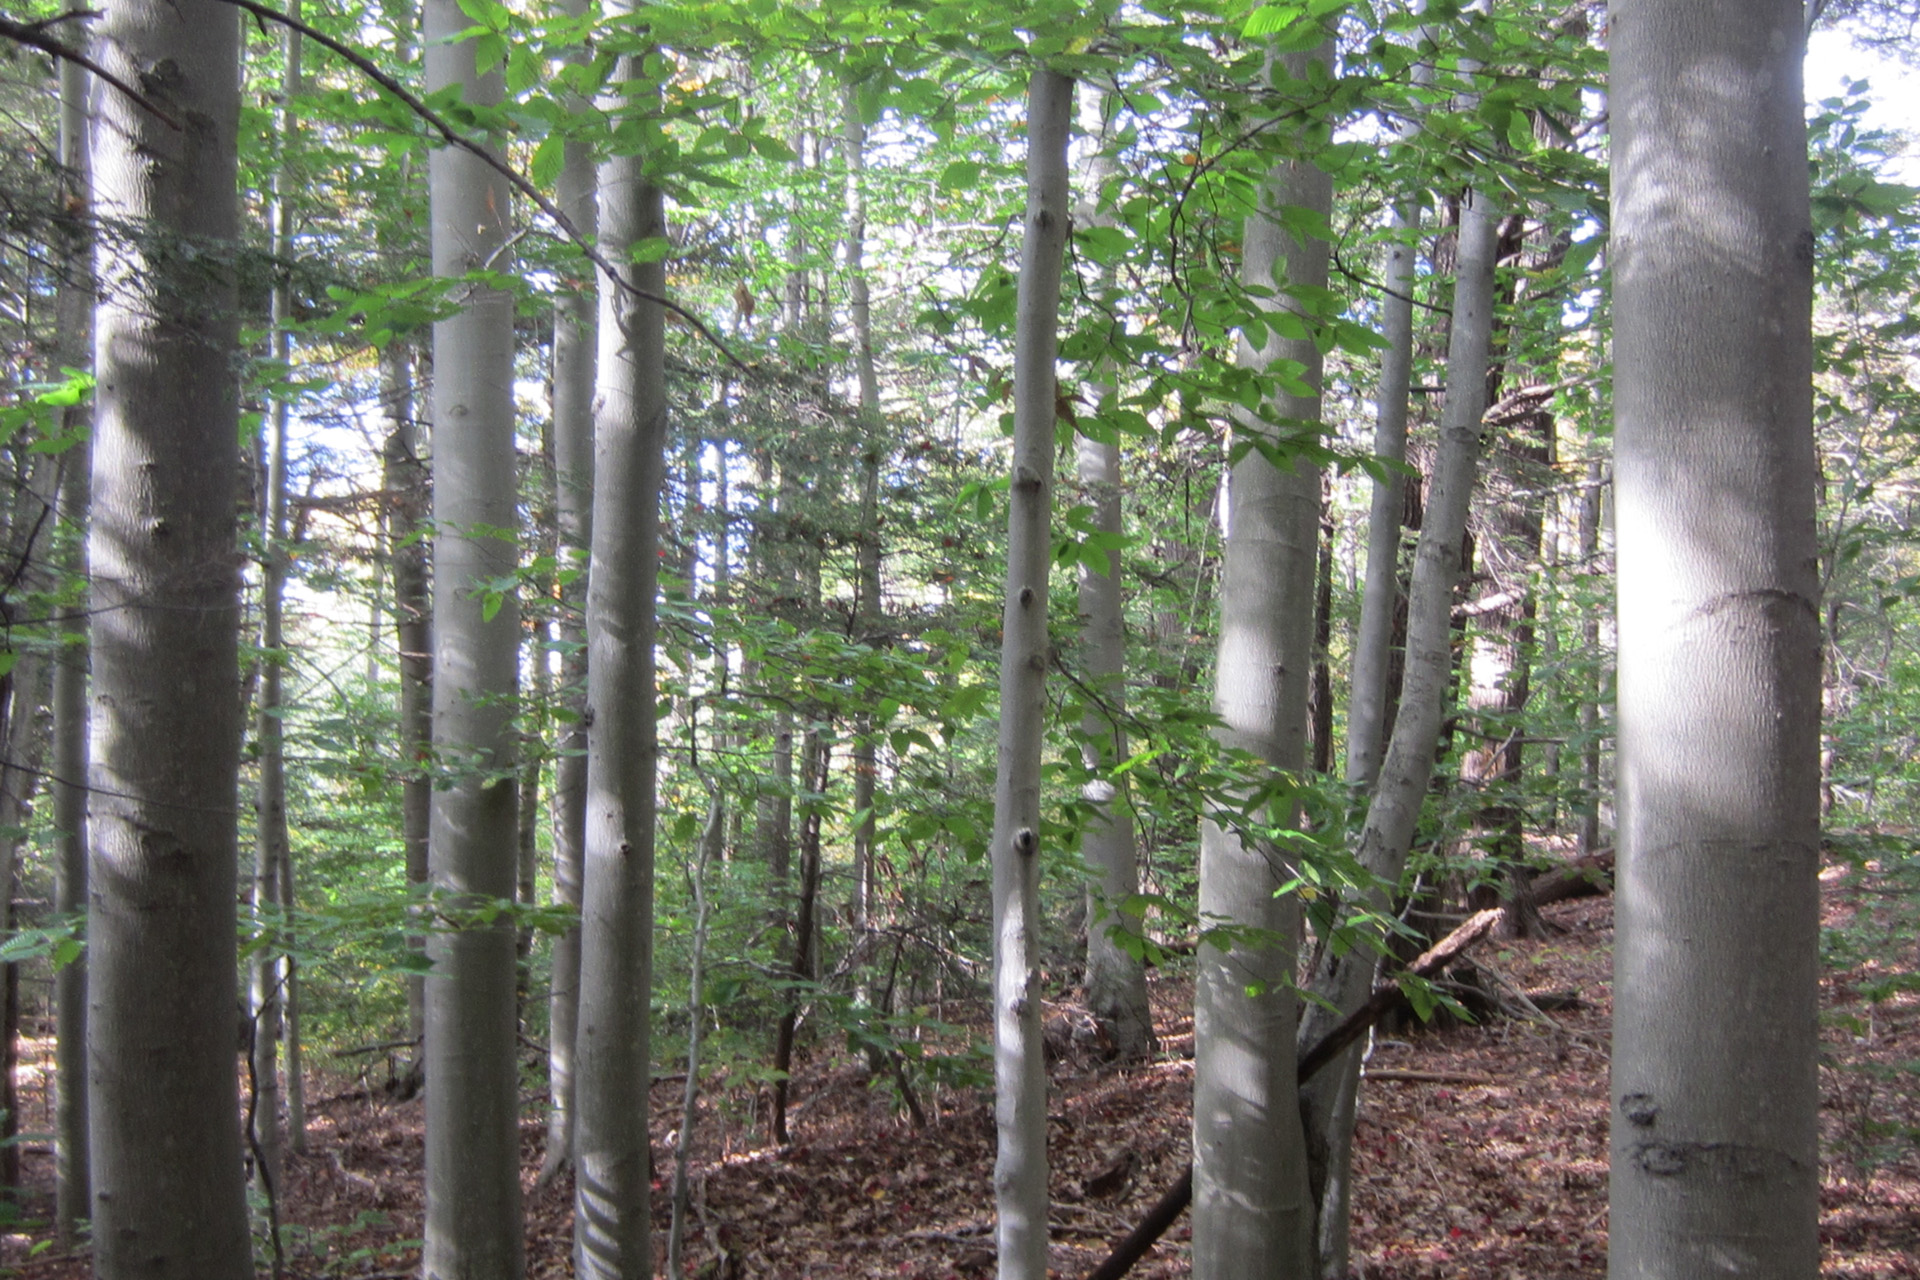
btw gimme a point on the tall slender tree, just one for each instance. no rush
(1020, 1075)
(473, 1227)
(1251, 1213)
(272, 968)
(1715, 1169)
(1116, 976)
(169, 1199)
(612, 1200)
(573, 381)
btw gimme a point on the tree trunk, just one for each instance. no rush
(573, 382)
(1251, 1212)
(1116, 975)
(612, 1224)
(165, 604)
(1715, 1090)
(1371, 690)
(473, 1226)
(270, 968)
(1344, 980)
(73, 1189)
(1019, 1067)
(867, 603)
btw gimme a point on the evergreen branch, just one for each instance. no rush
(34, 36)
(453, 137)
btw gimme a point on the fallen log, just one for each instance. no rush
(1174, 1200)
(1586, 877)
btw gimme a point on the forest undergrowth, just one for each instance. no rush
(1481, 1150)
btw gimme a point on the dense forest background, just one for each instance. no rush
(834, 249)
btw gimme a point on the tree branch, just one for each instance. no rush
(34, 36)
(453, 137)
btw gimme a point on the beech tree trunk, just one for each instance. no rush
(473, 1225)
(1116, 977)
(574, 338)
(1715, 1167)
(165, 603)
(1019, 1066)
(1251, 1212)
(612, 1202)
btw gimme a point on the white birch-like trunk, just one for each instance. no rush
(169, 1197)
(612, 1201)
(573, 378)
(1715, 1166)
(1116, 983)
(473, 1223)
(1251, 1211)
(1019, 1067)
(74, 319)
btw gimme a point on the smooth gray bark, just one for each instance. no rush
(473, 1222)
(1715, 1166)
(1019, 1068)
(573, 377)
(612, 1201)
(1251, 1213)
(165, 602)
(1344, 980)
(1116, 984)
(74, 320)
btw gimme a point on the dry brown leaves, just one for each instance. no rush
(1491, 1180)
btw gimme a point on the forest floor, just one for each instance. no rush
(1481, 1151)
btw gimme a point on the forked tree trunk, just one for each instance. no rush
(612, 1202)
(573, 381)
(1715, 1163)
(169, 1195)
(1019, 1068)
(1343, 981)
(1251, 1212)
(473, 1226)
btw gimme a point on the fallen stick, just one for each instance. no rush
(1427, 1077)
(1172, 1202)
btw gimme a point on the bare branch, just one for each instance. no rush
(34, 36)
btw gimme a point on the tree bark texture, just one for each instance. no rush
(1716, 962)
(1251, 1212)
(74, 318)
(1020, 1076)
(612, 1225)
(473, 1224)
(165, 605)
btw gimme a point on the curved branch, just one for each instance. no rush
(453, 137)
(34, 36)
